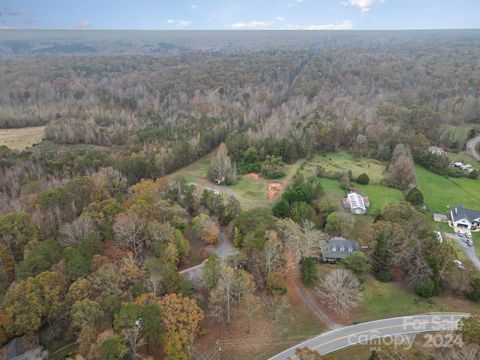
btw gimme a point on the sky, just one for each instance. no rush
(240, 14)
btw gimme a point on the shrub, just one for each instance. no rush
(426, 289)
(474, 295)
(273, 167)
(363, 179)
(383, 276)
(414, 197)
(309, 271)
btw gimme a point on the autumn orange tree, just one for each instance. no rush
(181, 318)
(205, 229)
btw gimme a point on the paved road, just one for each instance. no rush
(340, 338)
(469, 250)
(472, 146)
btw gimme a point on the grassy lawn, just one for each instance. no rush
(380, 196)
(340, 162)
(440, 192)
(20, 139)
(250, 192)
(384, 300)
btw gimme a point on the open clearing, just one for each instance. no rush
(250, 190)
(20, 139)
(441, 192)
(339, 163)
(379, 196)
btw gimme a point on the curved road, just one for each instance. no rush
(472, 146)
(469, 250)
(350, 335)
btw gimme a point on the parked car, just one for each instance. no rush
(468, 235)
(469, 242)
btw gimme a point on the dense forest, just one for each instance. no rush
(92, 234)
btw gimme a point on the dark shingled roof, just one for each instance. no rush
(460, 212)
(338, 248)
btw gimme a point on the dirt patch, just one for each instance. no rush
(252, 176)
(273, 189)
(234, 342)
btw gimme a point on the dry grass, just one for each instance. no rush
(21, 139)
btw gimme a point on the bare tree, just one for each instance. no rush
(129, 230)
(303, 238)
(221, 169)
(340, 290)
(76, 232)
(134, 340)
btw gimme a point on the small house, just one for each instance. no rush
(337, 248)
(435, 150)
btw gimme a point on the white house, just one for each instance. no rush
(436, 150)
(356, 203)
(465, 219)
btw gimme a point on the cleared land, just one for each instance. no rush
(441, 192)
(20, 139)
(379, 196)
(339, 163)
(251, 192)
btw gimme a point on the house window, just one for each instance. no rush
(342, 249)
(350, 250)
(334, 248)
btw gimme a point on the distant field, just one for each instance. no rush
(338, 163)
(250, 192)
(440, 192)
(20, 139)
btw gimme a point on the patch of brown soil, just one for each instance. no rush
(252, 176)
(273, 189)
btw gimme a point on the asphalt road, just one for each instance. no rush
(472, 147)
(469, 250)
(350, 335)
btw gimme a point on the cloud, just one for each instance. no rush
(363, 5)
(83, 24)
(179, 23)
(346, 25)
(279, 18)
(16, 12)
(255, 24)
(31, 20)
(3, 27)
(194, 7)
(296, 2)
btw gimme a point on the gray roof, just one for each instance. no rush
(338, 248)
(460, 212)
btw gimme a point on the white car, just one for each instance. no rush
(469, 242)
(468, 235)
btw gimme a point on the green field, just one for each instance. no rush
(440, 192)
(380, 196)
(340, 162)
(384, 300)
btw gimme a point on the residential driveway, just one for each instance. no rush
(469, 250)
(472, 147)
(350, 335)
